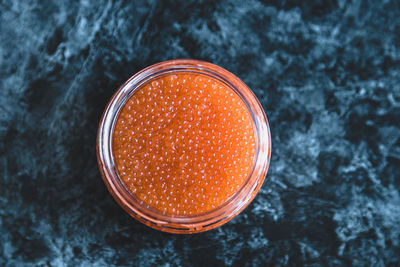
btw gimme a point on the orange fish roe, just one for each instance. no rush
(184, 144)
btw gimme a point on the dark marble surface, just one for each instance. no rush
(326, 72)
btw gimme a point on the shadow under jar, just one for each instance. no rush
(183, 146)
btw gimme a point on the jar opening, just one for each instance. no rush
(177, 223)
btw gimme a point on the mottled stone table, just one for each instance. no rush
(326, 72)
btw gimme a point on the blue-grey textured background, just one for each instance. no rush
(327, 73)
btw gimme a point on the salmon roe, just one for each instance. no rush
(183, 144)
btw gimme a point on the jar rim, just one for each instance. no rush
(174, 223)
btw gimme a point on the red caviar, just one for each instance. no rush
(183, 144)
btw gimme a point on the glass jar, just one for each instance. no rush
(183, 224)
